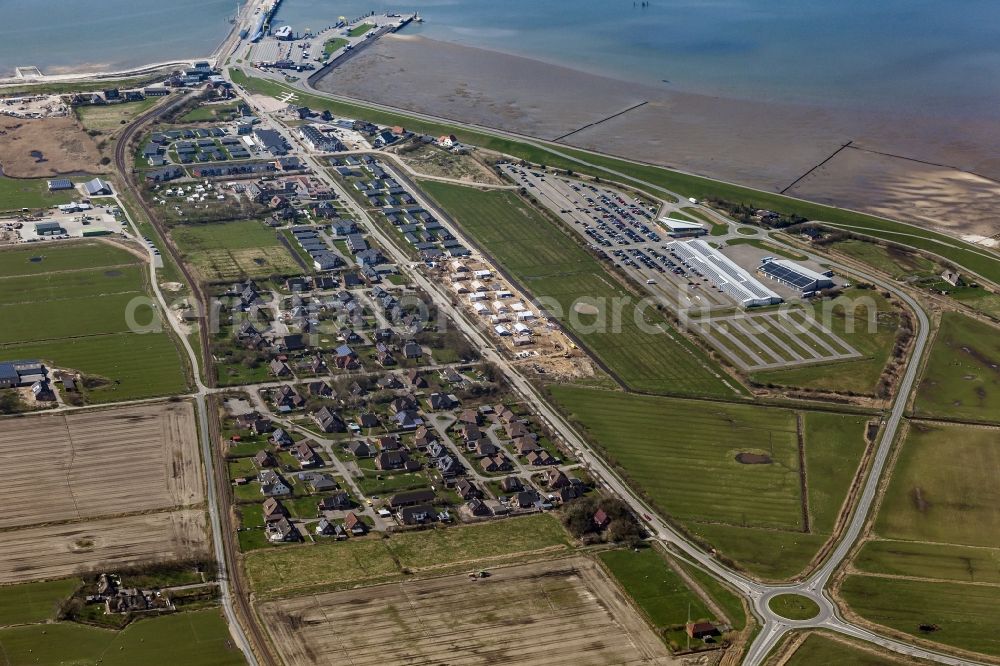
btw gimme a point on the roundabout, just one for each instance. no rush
(794, 607)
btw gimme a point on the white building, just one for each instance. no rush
(734, 281)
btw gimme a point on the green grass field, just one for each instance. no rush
(962, 375)
(208, 113)
(299, 569)
(197, 638)
(655, 587)
(944, 487)
(794, 606)
(963, 254)
(730, 602)
(107, 118)
(820, 649)
(873, 343)
(74, 317)
(554, 267)
(891, 260)
(359, 30)
(18, 193)
(334, 44)
(965, 615)
(230, 250)
(680, 454)
(963, 564)
(34, 602)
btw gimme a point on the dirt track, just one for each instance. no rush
(99, 463)
(65, 147)
(62, 550)
(558, 612)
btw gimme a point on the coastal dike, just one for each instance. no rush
(345, 56)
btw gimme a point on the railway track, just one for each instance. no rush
(240, 594)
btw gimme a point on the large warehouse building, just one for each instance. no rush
(682, 229)
(796, 276)
(733, 280)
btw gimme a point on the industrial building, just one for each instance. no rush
(796, 276)
(682, 229)
(49, 229)
(701, 258)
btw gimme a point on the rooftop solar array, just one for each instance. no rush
(787, 275)
(728, 276)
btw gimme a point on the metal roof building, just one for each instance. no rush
(732, 279)
(795, 275)
(60, 184)
(682, 229)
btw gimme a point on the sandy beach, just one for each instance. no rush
(763, 144)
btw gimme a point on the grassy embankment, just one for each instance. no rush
(66, 304)
(964, 254)
(679, 453)
(551, 265)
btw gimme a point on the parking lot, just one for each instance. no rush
(627, 232)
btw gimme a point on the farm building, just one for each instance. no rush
(796, 276)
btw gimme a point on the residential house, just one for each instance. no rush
(264, 459)
(540, 458)
(524, 499)
(273, 509)
(281, 438)
(280, 368)
(281, 530)
(304, 455)
(424, 437)
(416, 515)
(411, 498)
(368, 420)
(360, 449)
(440, 401)
(288, 398)
(449, 467)
(335, 502)
(601, 519)
(392, 460)
(525, 445)
(477, 509)
(328, 420)
(407, 419)
(389, 443)
(467, 490)
(496, 463)
(355, 525)
(485, 447)
(272, 485)
(511, 484)
(319, 389)
(515, 429)
(556, 478)
(414, 378)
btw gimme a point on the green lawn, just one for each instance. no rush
(554, 267)
(335, 44)
(965, 615)
(794, 606)
(108, 118)
(655, 587)
(300, 569)
(944, 487)
(34, 602)
(359, 30)
(208, 113)
(230, 250)
(820, 649)
(18, 193)
(680, 453)
(195, 638)
(69, 309)
(964, 254)
(962, 375)
(875, 325)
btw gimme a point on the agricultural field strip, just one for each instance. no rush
(569, 602)
(57, 551)
(682, 472)
(99, 464)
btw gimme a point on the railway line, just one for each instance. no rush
(240, 616)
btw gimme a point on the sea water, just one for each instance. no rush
(928, 56)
